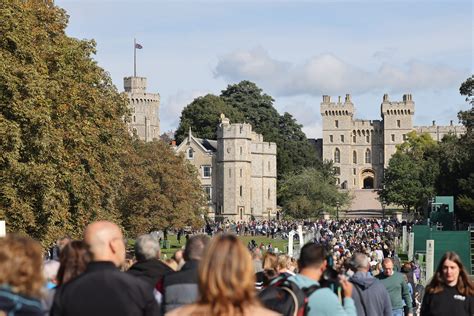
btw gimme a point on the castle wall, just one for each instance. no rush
(438, 132)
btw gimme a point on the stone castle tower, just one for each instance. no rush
(361, 149)
(145, 121)
(246, 166)
(237, 171)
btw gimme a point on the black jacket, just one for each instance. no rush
(103, 290)
(150, 271)
(447, 302)
(181, 288)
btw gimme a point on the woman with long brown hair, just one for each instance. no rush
(21, 276)
(450, 291)
(73, 261)
(226, 282)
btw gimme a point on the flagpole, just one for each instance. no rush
(134, 57)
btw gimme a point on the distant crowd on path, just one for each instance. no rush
(350, 268)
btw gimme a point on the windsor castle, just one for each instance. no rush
(238, 170)
(361, 149)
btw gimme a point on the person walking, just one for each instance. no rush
(226, 282)
(397, 288)
(370, 295)
(180, 288)
(102, 289)
(148, 267)
(450, 291)
(312, 263)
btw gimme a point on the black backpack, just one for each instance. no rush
(286, 298)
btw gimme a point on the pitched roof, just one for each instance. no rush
(208, 144)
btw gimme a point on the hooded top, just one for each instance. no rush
(372, 293)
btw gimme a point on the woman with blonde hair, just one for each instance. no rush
(269, 272)
(226, 282)
(21, 276)
(450, 291)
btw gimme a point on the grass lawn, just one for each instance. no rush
(281, 244)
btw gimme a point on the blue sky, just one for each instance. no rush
(296, 51)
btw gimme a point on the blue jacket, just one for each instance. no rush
(373, 293)
(16, 304)
(324, 301)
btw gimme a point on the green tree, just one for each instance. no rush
(412, 171)
(203, 115)
(160, 190)
(307, 193)
(293, 150)
(256, 106)
(61, 126)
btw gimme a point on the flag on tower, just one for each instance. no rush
(138, 46)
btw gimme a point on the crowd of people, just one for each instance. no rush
(350, 267)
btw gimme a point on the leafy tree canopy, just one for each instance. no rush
(311, 191)
(409, 182)
(160, 190)
(61, 121)
(203, 115)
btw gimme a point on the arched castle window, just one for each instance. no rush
(408, 111)
(337, 156)
(354, 157)
(354, 139)
(347, 112)
(326, 113)
(358, 132)
(367, 156)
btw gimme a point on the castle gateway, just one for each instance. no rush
(361, 149)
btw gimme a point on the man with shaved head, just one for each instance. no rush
(102, 289)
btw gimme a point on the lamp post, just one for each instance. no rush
(337, 210)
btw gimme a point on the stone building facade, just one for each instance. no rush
(361, 149)
(144, 121)
(237, 171)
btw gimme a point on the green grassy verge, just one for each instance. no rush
(281, 244)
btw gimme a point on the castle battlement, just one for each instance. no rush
(235, 130)
(329, 108)
(405, 107)
(264, 148)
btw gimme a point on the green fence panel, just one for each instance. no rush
(422, 233)
(457, 241)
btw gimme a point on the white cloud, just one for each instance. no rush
(328, 74)
(170, 111)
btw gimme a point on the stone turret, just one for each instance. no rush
(145, 121)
